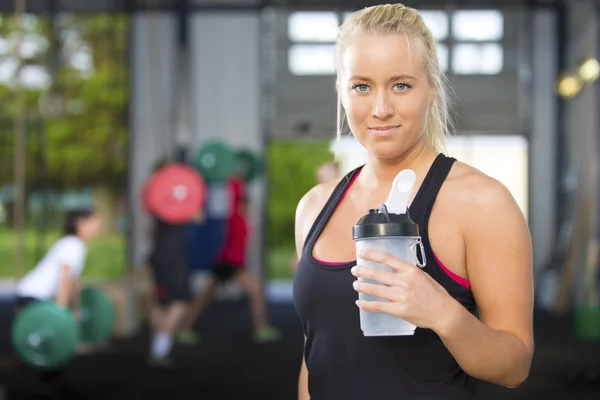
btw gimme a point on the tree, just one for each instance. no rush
(77, 64)
(87, 144)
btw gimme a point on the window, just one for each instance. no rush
(468, 41)
(443, 56)
(312, 36)
(313, 26)
(473, 59)
(437, 22)
(312, 59)
(476, 35)
(478, 25)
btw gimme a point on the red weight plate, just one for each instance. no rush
(175, 193)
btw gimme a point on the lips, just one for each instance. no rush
(383, 130)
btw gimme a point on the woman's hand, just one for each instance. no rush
(413, 295)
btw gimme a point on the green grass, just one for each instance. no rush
(279, 263)
(106, 254)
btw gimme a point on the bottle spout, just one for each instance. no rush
(400, 192)
(384, 211)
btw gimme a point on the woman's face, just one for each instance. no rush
(89, 228)
(385, 93)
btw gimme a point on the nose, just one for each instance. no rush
(382, 109)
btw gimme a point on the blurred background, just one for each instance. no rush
(93, 93)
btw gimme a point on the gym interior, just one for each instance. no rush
(95, 93)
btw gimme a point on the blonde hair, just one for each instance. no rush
(397, 19)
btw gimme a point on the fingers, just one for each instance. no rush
(376, 306)
(384, 258)
(375, 274)
(381, 291)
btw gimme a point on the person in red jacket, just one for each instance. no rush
(231, 265)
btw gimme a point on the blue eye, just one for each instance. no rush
(402, 86)
(360, 87)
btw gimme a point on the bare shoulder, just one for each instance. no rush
(475, 196)
(309, 207)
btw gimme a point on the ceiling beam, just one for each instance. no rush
(92, 6)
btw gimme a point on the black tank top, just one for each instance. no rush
(345, 365)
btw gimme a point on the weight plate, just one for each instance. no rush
(175, 193)
(44, 335)
(250, 164)
(215, 161)
(98, 316)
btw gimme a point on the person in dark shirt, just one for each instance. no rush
(168, 261)
(231, 264)
(473, 301)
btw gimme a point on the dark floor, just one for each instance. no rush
(228, 366)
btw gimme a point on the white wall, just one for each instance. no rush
(504, 158)
(226, 93)
(152, 72)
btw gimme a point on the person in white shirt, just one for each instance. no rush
(56, 275)
(56, 278)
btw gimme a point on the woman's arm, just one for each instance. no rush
(303, 380)
(499, 346)
(65, 288)
(75, 297)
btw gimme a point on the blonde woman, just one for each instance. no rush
(473, 302)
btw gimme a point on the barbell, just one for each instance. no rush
(217, 162)
(250, 164)
(175, 193)
(45, 336)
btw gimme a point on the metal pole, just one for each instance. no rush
(20, 156)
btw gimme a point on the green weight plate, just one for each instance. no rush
(250, 164)
(215, 161)
(98, 316)
(45, 336)
(586, 320)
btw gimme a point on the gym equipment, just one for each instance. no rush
(215, 161)
(99, 328)
(46, 336)
(250, 164)
(174, 194)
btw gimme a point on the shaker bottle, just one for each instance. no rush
(389, 229)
